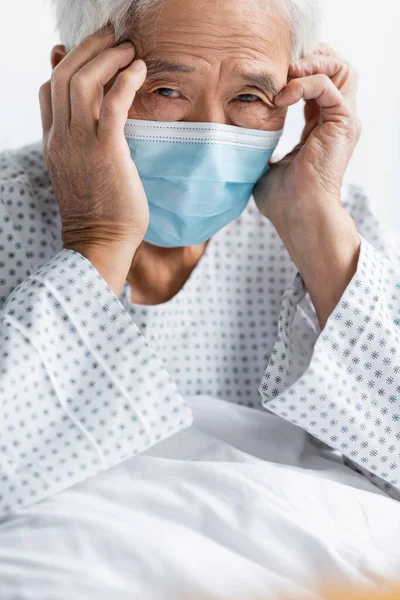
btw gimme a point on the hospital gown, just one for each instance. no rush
(88, 380)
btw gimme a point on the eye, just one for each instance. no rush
(167, 92)
(248, 98)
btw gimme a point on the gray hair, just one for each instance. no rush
(77, 19)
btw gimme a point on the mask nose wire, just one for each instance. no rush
(175, 131)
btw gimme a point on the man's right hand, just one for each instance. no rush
(103, 206)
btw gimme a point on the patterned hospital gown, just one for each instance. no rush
(88, 379)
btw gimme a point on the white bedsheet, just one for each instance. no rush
(240, 504)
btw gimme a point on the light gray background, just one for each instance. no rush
(366, 32)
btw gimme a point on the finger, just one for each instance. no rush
(312, 117)
(117, 102)
(326, 49)
(46, 111)
(343, 75)
(87, 85)
(316, 87)
(64, 71)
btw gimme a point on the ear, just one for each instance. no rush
(57, 54)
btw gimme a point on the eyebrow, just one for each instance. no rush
(266, 81)
(158, 66)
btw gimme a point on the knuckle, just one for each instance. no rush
(43, 91)
(53, 77)
(347, 68)
(358, 128)
(324, 48)
(78, 81)
(354, 129)
(77, 131)
(57, 74)
(324, 79)
(353, 72)
(45, 148)
(110, 106)
(89, 41)
(49, 150)
(95, 41)
(53, 141)
(43, 88)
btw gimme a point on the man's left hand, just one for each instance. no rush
(301, 194)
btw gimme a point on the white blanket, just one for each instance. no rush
(239, 505)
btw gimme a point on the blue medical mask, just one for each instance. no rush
(197, 176)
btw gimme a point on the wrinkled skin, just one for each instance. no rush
(222, 51)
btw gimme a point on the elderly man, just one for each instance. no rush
(151, 250)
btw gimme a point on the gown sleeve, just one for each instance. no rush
(80, 388)
(343, 384)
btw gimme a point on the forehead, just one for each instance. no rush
(212, 30)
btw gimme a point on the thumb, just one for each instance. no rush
(288, 158)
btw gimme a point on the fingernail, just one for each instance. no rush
(106, 30)
(139, 65)
(126, 45)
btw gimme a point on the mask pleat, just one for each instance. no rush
(195, 188)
